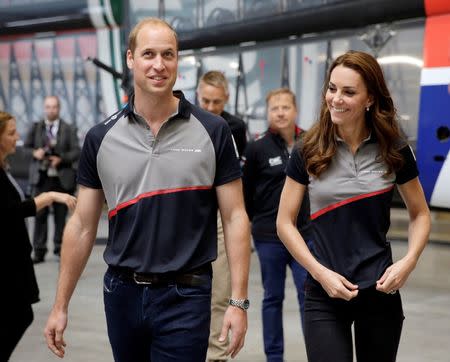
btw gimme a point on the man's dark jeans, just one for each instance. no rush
(157, 323)
(41, 220)
(274, 259)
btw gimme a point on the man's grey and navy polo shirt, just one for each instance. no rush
(350, 209)
(160, 191)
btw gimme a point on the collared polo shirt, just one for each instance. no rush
(265, 161)
(160, 190)
(350, 209)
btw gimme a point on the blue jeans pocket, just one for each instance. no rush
(110, 283)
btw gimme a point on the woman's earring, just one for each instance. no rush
(367, 109)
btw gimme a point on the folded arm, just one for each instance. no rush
(291, 199)
(418, 232)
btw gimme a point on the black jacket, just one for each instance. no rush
(265, 162)
(19, 281)
(67, 147)
(238, 129)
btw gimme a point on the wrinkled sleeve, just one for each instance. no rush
(296, 168)
(409, 169)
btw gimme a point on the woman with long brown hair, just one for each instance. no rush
(349, 162)
(19, 286)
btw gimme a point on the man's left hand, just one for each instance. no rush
(235, 320)
(54, 161)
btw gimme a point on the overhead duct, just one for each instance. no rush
(317, 19)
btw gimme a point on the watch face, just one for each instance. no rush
(241, 303)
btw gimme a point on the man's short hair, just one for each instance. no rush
(144, 22)
(54, 97)
(279, 91)
(215, 79)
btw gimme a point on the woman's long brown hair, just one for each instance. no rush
(318, 144)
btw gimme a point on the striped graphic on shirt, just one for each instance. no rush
(348, 201)
(125, 204)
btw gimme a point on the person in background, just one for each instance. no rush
(164, 166)
(265, 161)
(55, 149)
(350, 161)
(20, 289)
(212, 95)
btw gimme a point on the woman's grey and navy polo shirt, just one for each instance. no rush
(350, 209)
(160, 191)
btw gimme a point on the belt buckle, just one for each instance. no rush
(136, 279)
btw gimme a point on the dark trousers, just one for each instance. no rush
(157, 323)
(377, 318)
(274, 259)
(15, 321)
(41, 221)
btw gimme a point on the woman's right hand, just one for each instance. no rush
(64, 198)
(337, 286)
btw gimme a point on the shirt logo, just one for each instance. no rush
(112, 118)
(275, 161)
(195, 150)
(379, 172)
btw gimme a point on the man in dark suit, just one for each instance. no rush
(55, 148)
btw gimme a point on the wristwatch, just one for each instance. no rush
(244, 304)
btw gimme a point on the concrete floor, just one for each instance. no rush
(426, 299)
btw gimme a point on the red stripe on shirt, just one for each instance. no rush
(113, 212)
(352, 199)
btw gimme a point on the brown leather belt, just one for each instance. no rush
(194, 277)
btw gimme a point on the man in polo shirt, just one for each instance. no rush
(163, 165)
(265, 162)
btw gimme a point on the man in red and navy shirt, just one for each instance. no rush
(164, 166)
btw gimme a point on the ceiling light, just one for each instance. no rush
(401, 59)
